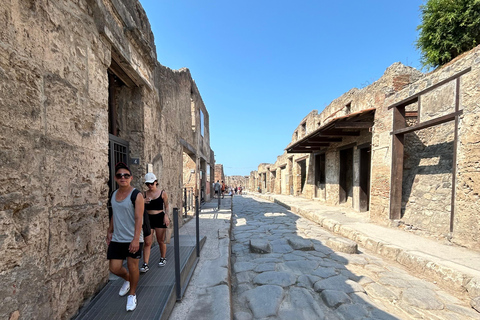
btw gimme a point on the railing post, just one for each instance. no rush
(185, 201)
(176, 242)
(197, 220)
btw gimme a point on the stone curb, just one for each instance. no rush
(447, 275)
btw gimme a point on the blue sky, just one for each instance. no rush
(261, 66)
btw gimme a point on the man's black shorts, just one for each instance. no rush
(157, 220)
(119, 251)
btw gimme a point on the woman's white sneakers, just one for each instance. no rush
(162, 262)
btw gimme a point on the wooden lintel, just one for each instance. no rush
(314, 144)
(324, 139)
(121, 74)
(354, 125)
(429, 123)
(301, 151)
(339, 133)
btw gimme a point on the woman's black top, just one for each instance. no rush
(155, 204)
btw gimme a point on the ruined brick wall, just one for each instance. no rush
(236, 181)
(54, 90)
(219, 175)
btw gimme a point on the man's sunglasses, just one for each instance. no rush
(149, 183)
(123, 175)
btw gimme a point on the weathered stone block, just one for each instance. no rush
(260, 246)
(342, 245)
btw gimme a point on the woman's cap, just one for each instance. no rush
(150, 178)
(122, 165)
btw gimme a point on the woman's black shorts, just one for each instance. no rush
(156, 220)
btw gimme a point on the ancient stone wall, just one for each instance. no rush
(219, 175)
(236, 181)
(55, 58)
(428, 168)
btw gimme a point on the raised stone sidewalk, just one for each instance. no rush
(448, 266)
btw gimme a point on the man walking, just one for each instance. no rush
(125, 235)
(216, 187)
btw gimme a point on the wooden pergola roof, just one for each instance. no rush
(334, 131)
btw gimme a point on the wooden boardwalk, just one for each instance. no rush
(156, 291)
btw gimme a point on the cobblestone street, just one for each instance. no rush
(283, 267)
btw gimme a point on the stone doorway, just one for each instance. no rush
(365, 164)
(320, 191)
(303, 173)
(346, 175)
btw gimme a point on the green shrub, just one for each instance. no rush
(448, 28)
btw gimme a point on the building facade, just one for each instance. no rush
(80, 90)
(404, 149)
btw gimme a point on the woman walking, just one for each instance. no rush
(156, 204)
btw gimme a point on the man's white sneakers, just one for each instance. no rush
(131, 302)
(124, 289)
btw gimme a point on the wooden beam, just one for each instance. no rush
(397, 164)
(325, 139)
(429, 123)
(312, 144)
(339, 133)
(455, 151)
(354, 125)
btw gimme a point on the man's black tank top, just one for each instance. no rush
(155, 204)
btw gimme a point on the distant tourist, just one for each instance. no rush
(223, 189)
(240, 190)
(125, 235)
(156, 204)
(217, 187)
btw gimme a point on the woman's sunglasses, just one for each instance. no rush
(149, 183)
(123, 175)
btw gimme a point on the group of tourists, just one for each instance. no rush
(220, 189)
(126, 238)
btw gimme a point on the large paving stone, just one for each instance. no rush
(299, 304)
(283, 279)
(281, 246)
(302, 266)
(334, 298)
(340, 283)
(301, 244)
(265, 267)
(342, 245)
(324, 272)
(353, 311)
(264, 301)
(306, 281)
(244, 266)
(260, 246)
